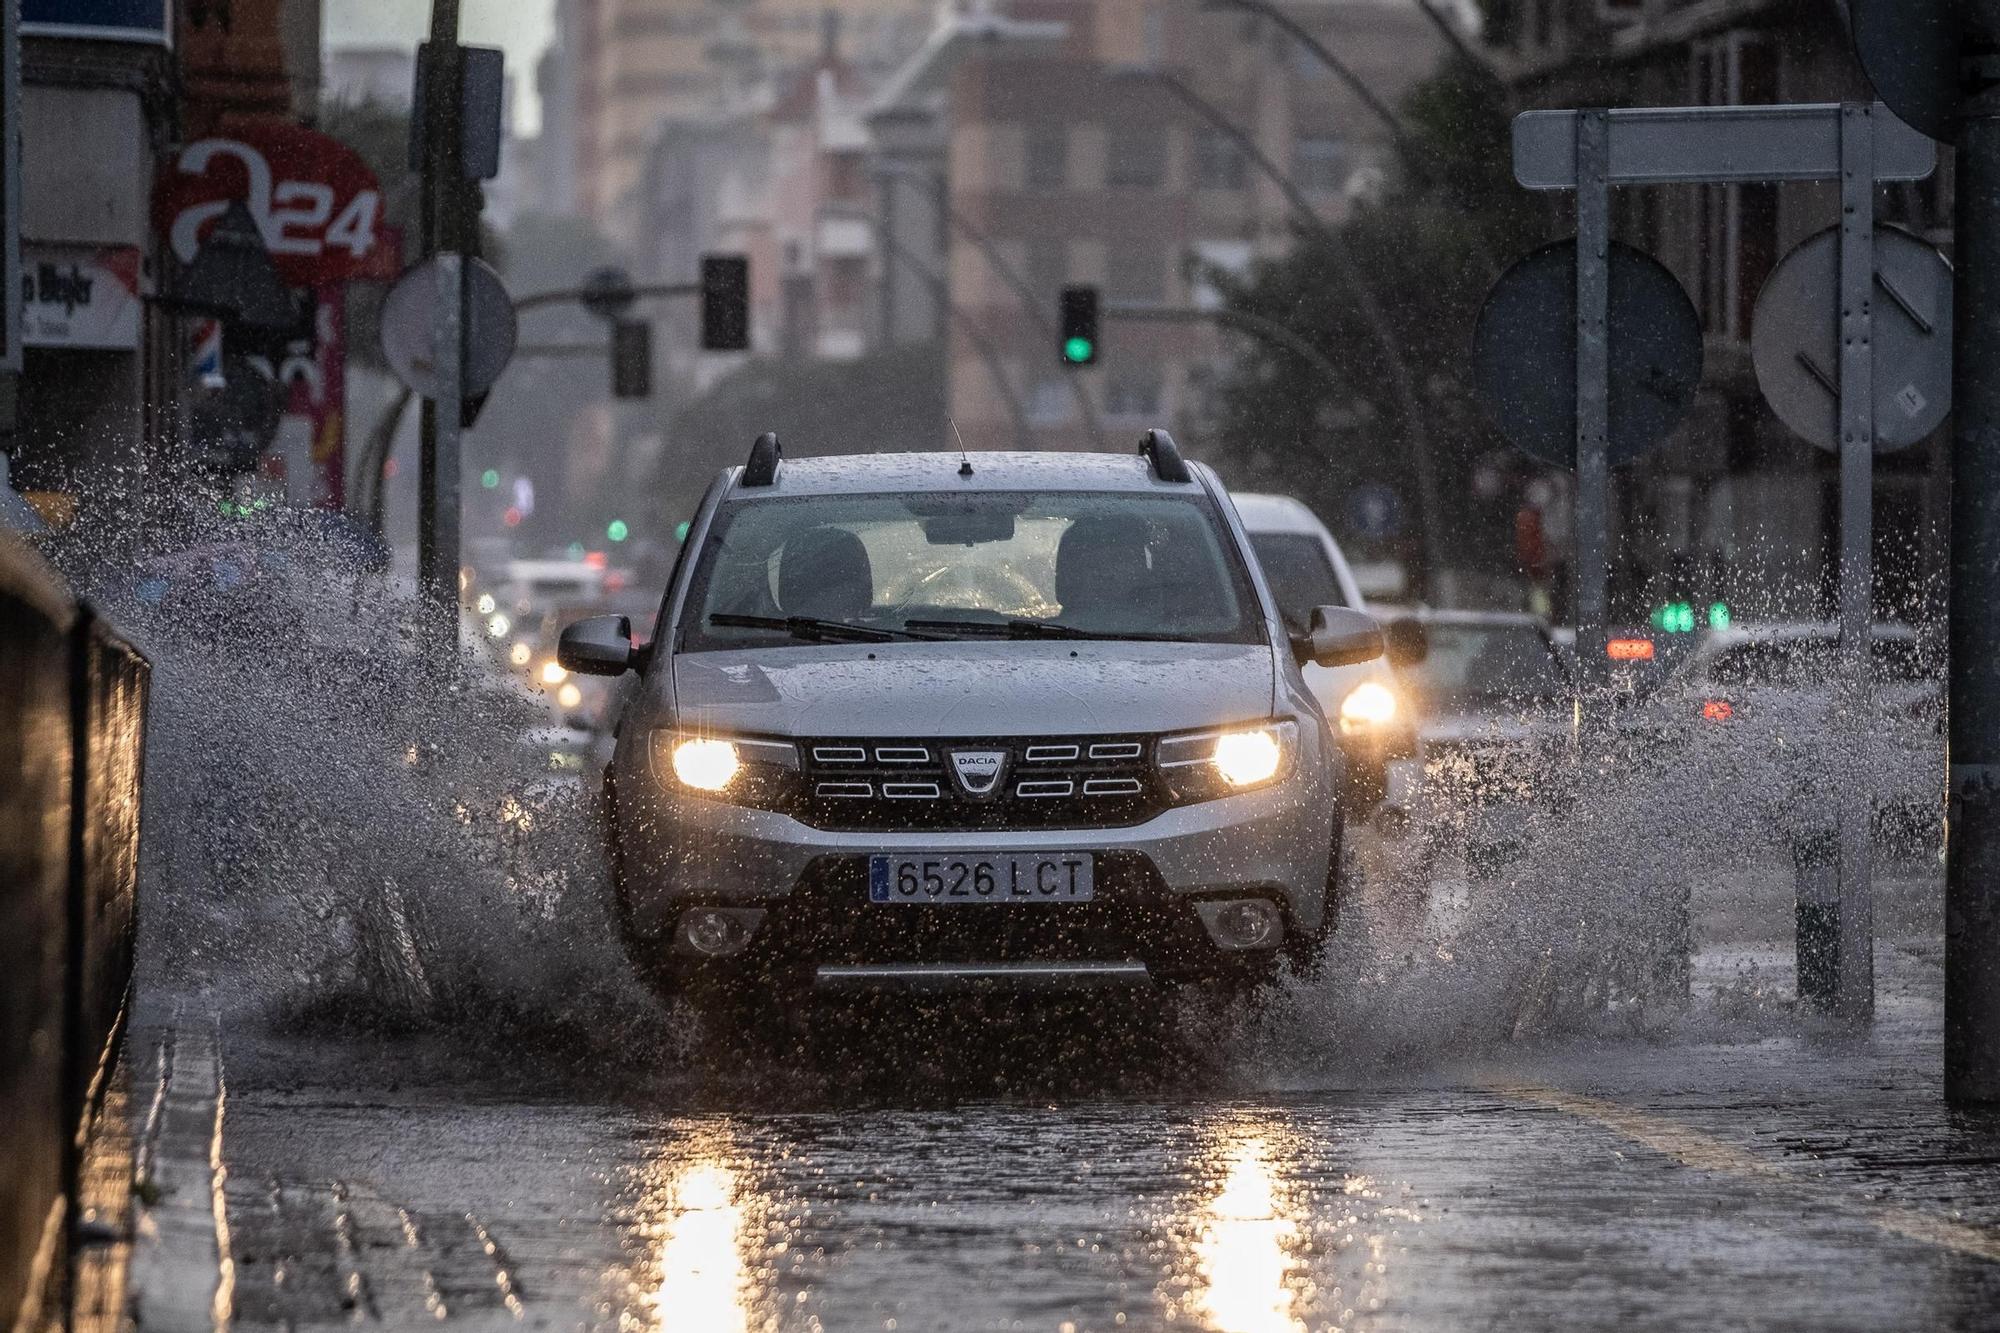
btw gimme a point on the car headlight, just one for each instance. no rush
(705, 763)
(742, 769)
(1368, 706)
(1202, 765)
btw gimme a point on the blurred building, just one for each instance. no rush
(1029, 146)
(384, 75)
(625, 68)
(1735, 508)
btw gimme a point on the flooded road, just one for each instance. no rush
(1781, 1180)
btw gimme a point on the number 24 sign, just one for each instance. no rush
(316, 203)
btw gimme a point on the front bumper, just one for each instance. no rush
(820, 931)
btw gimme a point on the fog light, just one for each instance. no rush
(1243, 923)
(718, 932)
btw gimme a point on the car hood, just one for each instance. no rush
(974, 689)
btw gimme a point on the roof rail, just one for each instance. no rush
(762, 469)
(1158, 448)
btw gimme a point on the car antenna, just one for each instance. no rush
(964, 459)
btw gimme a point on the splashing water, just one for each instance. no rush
(336, 828)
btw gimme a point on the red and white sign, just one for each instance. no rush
(316, 203)
(80, 297)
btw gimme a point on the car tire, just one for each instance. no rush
(646, 954)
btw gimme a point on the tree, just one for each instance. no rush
(1429, 248)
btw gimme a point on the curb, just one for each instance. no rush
(182, 1275)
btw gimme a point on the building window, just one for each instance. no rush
(1136, 271)
(1137, 158)
(1133, 392)
(1047, 156)
(1321, 164)
(1218, 163)
(1046, 270)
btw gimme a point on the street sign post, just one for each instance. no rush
(1593, 151)
(1937, 62)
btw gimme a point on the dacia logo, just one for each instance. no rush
(978, 771)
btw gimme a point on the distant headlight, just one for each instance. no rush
(706, 764)
(1203, 765)
(1369, 705)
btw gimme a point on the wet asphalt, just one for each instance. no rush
(1740, 1168)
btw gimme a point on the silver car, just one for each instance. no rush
(931, 722)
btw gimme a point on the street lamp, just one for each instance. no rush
(1402, 380)
(1008, 274)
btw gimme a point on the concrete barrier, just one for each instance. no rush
(72, 730)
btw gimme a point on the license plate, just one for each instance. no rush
(951, 880)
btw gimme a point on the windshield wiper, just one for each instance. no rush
(1034, 629)
(813, 629)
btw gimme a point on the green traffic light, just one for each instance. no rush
(617, 531)
(490, 479)
(1078, 350)
(575, 550)
(1719, 616)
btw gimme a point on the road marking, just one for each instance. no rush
(1692, 1148)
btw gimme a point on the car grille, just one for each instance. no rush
(860, 785)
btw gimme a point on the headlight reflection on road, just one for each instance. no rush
(1244, 1275)
(704, 1277)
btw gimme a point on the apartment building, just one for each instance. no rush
(1033, 144)
(630, 66)
(1735, 502)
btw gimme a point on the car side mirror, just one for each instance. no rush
(599, 646)
(1409, 642)
(1340, 636)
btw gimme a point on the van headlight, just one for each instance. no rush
(1202, 765)
(1369, 706)
(742, 769)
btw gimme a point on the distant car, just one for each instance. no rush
(1023, 721)
(1767, 690)
(1305, 568)
(1492, 702)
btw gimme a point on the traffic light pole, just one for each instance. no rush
(446, 234)
(1972, 888)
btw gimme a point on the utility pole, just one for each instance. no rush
(1972, 889)
(450, 220)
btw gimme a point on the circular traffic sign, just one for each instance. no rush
(1911, 51)
(409, 321)
(1795, 341)
(1524, 353)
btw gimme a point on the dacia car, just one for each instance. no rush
(971, 722)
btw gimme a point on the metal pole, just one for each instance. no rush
(444, 225)
(1854, 999)
(1593, 403)
(1972, 887)
(1268, 330)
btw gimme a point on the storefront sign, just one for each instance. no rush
(80, 298)
(316, 203)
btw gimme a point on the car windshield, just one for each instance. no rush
(1489, 662)
(1093, 564)
(1810, 661)
(1295, 564)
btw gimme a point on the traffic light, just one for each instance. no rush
(725, 303)
(1079, 326)
(631, 358)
